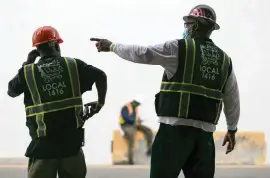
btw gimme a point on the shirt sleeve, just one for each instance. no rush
(17, 85)
(231, 102)
(165, 54)
(88, 75)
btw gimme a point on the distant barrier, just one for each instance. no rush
(250, 149)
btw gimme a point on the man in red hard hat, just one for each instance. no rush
(198, 79)
(53, 89)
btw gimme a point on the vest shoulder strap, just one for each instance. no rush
(74, 76)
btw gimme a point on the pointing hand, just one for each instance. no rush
(103, 45)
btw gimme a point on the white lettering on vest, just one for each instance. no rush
(210, 60)
(208, 72)
(54, 89)
(51, 73)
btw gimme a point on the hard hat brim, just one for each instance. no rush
(59, 42)
(188, 17)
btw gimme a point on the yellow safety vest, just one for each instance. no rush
(38, 109)
(130, 111)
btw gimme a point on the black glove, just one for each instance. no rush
(32, 55)
(95, 107)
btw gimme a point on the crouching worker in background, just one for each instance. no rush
(130, 123)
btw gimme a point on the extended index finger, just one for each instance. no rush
(95, 39)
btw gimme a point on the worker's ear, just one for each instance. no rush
(57, 48)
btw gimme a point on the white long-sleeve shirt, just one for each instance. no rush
(166, 55)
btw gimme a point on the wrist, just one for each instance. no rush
(101, 103)
(231, 126)
(232, 131)
(112, 47)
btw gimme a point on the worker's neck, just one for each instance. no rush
(50, 54)
(204, 34)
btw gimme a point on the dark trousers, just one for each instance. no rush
(71, 167)
(177, 148)
(130, 132)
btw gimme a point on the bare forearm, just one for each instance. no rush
(101, 85)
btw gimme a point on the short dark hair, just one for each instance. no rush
(50, 46)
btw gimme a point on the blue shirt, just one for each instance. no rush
(129, 119)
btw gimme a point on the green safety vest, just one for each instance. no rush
(196, 90)
(46, 104)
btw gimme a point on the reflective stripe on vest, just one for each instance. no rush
(75, 85)
(38, 108)
(187, 76)
(187, 87)
(191, 88)
(53, 106)
(224, 77)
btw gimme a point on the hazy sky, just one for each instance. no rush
(243, 35)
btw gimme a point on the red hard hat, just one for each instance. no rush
(45, 34)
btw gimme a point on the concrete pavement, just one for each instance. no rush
(19, 171)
